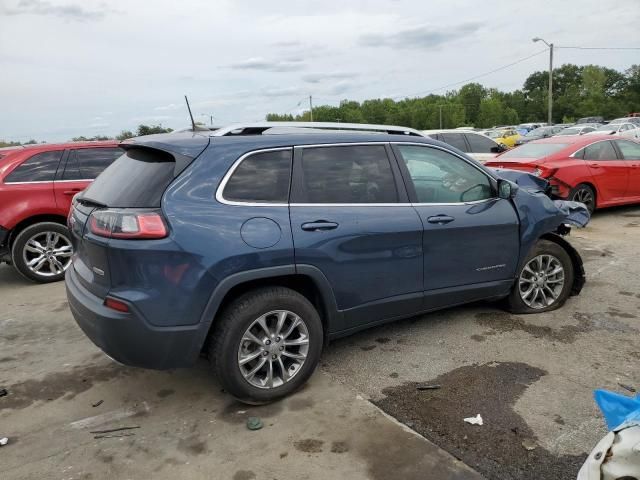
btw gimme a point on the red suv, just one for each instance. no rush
(37, 184)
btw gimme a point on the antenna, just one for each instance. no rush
(193, 123)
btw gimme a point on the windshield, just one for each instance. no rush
(534, 150)
(495, 134)
(570, 131)
(618, 120)
(538, 132)
(606, 128)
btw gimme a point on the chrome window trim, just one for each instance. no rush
(223, 183)
(49, 181)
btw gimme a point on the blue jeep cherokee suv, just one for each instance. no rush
(257, 248)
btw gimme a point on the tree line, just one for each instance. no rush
(578, 91)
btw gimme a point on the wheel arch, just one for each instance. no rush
(27, 222)
(578, 267)
(307, 280)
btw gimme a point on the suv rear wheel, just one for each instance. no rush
(42, 252)
(544, 282)
(266, 345)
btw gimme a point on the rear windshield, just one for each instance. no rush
(136, 179)
(534, 150)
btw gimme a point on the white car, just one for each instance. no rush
(477, 146)
(577, 130)
(628, 130)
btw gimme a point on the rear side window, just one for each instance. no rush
(630, 150)
(136, 179)
(261, 177)
(350, 174)
(39, 168)
(88, 163)
(479, 143)
(455, 140)
(599, 151)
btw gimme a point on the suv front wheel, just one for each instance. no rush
(42, 252)
(544, 282)
(266, 345)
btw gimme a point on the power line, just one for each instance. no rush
(598, 48)
(474, 77)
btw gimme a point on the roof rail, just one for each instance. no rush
(260, 127)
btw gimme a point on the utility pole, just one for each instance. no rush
(440, 107)
(550, 95)
(311, 107)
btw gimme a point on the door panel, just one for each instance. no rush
(470, 238)
(610, 174)
(347, 222)
(631, 155)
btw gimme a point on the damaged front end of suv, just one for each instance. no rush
(544, 218)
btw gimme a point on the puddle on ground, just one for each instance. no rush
(495, 448)
(503, 322)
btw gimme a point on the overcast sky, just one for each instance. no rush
(82, 67)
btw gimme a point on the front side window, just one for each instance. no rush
(480, 144)
(441, 177)
(262, 177)
(39, 168)
(630, 150)
(88, 163)
(455, 140)
(347, 174)
(599, 151)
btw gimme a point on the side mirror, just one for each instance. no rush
(499, 148)
(506, 189)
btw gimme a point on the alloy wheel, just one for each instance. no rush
(541, 281)
(47, 254)
(584, 195)
(273, 349)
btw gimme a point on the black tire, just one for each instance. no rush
(586, 194)
(515, 302)
(231, 326)
(18, 251)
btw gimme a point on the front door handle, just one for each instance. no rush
(318, 225)
(594, 165)
(440, 219)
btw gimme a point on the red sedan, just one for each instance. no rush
(37, 184)
(597, 170)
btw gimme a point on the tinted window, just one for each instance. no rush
(600, 151)
(136, 179)
(88, 163)
(39, 168)
(357, 174)
(440, 177)
(455, 140)
(630, 150)
(534, 150)
(480, 144)
(261, 177)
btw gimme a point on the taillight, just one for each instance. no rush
(130, 224)
(542, 172)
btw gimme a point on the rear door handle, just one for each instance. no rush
(440, 219)
(72, 191)
(594, 165)
(318, 225)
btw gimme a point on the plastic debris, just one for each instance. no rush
(629, 388)
(529, 444)
(97, 404)
(427, 387)
(3, 441)
(254, 423)
(3, 392)
(111, 430)
(477, 420)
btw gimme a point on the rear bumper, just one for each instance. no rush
(127, 337)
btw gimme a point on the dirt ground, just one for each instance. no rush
(531, 378)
